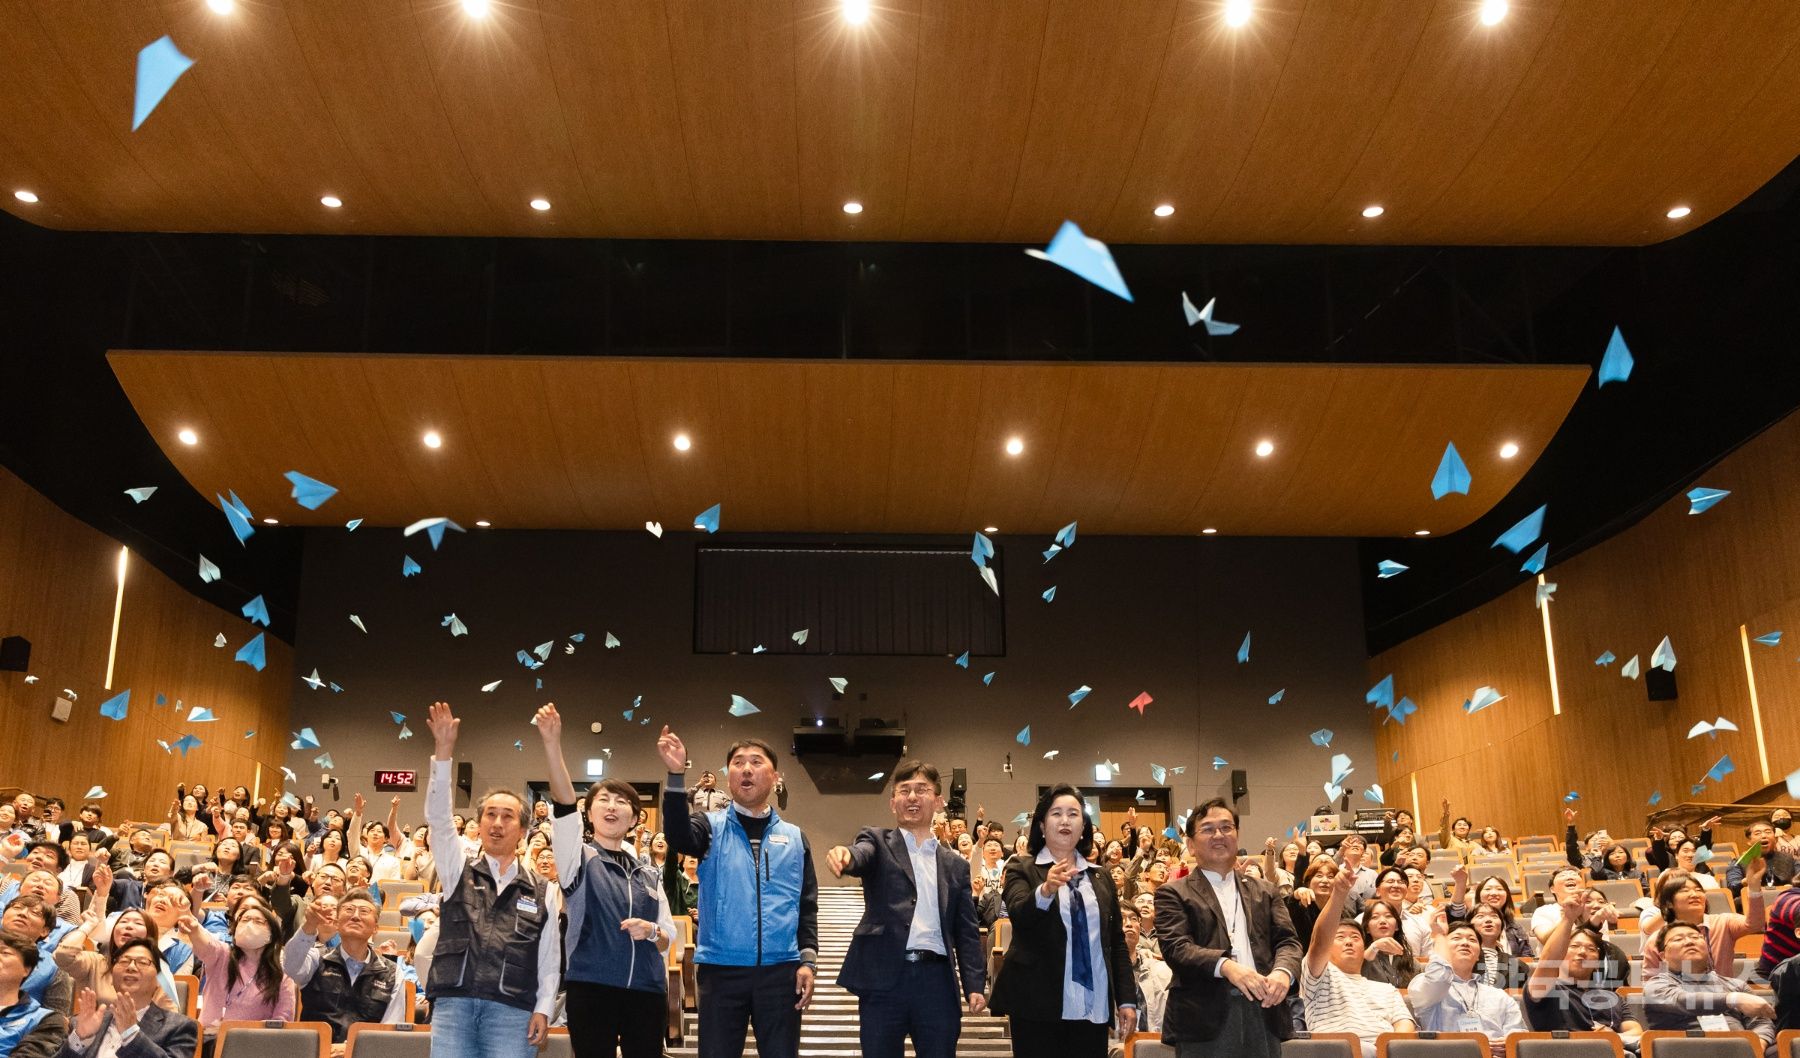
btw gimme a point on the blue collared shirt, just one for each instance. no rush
(927, 932)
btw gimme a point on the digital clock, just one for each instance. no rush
(396, 780)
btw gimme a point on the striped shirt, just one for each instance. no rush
(1780, 942)
(1337, 1002)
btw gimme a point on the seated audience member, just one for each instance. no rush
(1354, 850)
(90, 821)
(165, 903)
(91, 971)
(1284, 867)
(1599, 915)
(129, 853)
(1564, 883)
(10, 831)
(137, 1023)
(1686, 993)
(44, 879)
(1495, 893)
(1498, 967)
(1785, 841)
(1680, 898)
(30, 918)
(1337, 995)
(1564, 992)
(1781, 936)
(351, 982)
(1402, 844)
(1758, 833)
(1583, 854)
(25, 817)
(1490, 841)
(185, 823)
(133, 889)
(28, 1029)
(1394, 888)
(681, 882)
(1687, 858)
(1388, 955)
(1785, 981)
(1152, 973)
(1449, 995)
(1453, 836)
(993, 862)
(1308, 899)
(242, 980)
(1617, 865)
(988, 906)
(1663, 844)
(83, 858)
(1418, 891)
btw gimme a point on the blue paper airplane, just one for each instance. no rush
(838, 683)
(1215, 328)
(1402, 709)
(352, 524)
(1723, 768)
(1275, 699)
(628, 713)
(1243, 654)
(358, 622)
(324, 760)
(159, 65)
(1770, 639)
(433, 528)
(185, 743)
(981, 550)
(740, 706)
(139, 495)
(1606, 657)
(1052, 551)
(1159, 773)
(1340, 768)
(399, 718)
(208, 571)
(1656, 798)
(988, 680)
(1544, 591)
(1701, 500)
(1535, 564)
(410, 568)
(1387, 567)
(1382, 693)
(1663, 657)
(1050, 593)
(1520, 536)
(455, 625)
(1076, 695)
(1629, 670)
(962, 660)
(257, 611)
(199, 714)
(708, 519)
(1171, 833)
(1087, 258)
(251, 653)
(304, 739)
(612, 641)
(1616, 363)
(1571, 797)
(238, 515)
(1452, 474)
(579, 637)
(1372, 792)
(1066, 535)
(1023, 738)
(1220, 762)
(1333, 791)
(310, 493)
(117, 706)
(1322, 737)
(528, 661)
(1483, 698)
(162, 699)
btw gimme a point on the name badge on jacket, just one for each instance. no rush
(778, 839)
(528, 906)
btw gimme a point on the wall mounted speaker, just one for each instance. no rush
(15, 654)
(1240, 782)
(1659, 685)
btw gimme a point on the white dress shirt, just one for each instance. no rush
(927, 932)
(111, 1041)
(1079, 1002)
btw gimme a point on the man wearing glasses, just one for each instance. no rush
(918, 933)
(1231, 946)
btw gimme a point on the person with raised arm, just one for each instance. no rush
(918, 927)
(1337, 996)
(757, 950)
(1565, 992)
(495, 968)
(619, 920)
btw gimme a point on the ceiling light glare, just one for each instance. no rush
(1508, 450)
(25, 196)
(1014, 446)
(1237, 13)
(682, 443)
(433, 439)
(1492, 11)
(188, 437)
(540, 204)
(221, 7)
(990, 529)
(856, 12)
(330, 201)
(476, 8)
(1208, 531)
(853, 208)
(1265, 449)
(1678, 212)
(1421, 532)
(482, 523)
(271, 521)
(1372, 212)
(1164, 210)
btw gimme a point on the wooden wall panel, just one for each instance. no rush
(1693, 578)
(57, 587)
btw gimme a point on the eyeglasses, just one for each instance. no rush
(915, 790)
(135, 963)
(1223, 830)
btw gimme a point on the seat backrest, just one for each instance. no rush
(1718, 902)
(1621, 891)
(1431, 1045)
(187, 993)
(1564, 1045)
(1502, 869)
(558, 1045)
(1668, 1044)
(1323, 1045)
(273, 1039)
(1002, 932)
(1629, 943)
(388, 1041)
(1787, 1044)
(1149, 1045)
(400, 937)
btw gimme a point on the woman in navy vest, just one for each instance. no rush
(619, 922)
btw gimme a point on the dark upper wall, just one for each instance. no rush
(1164, 615)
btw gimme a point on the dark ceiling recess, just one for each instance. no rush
(1706, 315)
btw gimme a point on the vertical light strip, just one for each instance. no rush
(112, 652)
(1762, 748)
(1550, 656)
(1417, 815)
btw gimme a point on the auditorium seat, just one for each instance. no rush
(558, 1045)
(1719, 902)
(1621, 892)
(1146, 1044)
(1696, 1044)
(273, 1039)
(1564, 1045)
(187, 993)
(1787, 1044)
(1322, 1045)
(367, 1040)
(1431, 1045)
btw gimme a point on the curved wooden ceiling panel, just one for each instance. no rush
(849, 446)
(1571, 121)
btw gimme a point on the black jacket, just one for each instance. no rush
(161, 1034)
(890, 893)
(1030, 984)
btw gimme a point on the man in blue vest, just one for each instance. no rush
(495, 972)
(27, 1030)
(758, 942)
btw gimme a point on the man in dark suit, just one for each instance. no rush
(1231, 946)
(918, 932)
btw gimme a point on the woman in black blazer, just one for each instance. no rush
(1041, 986)
(149, 1030)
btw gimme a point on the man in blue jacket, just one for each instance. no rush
(757, 949)
(918, 927)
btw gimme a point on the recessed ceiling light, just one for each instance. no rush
(221, 7)
(1492, 11)
(188, 437)
(1372, 212)
(853, 208)
(475, 8)
(330, 201)
(682, 442)
(1508, 450)
(433, 439)
(1237, 12)
(540, 204)
(1421, 532)
(1164, 210)
(991, 529)
(482, 523)
(271, 521)
(1265, 448)
(1014, 446)
(1208, 531)
(1678, 212)
(856, 12)
(25, 196)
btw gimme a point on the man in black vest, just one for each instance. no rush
(496, 969)
(348, 983)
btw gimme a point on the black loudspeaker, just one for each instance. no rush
(1659, 685)
(959, 782)
(1240, 782)
(15, 654)
(465, 778)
